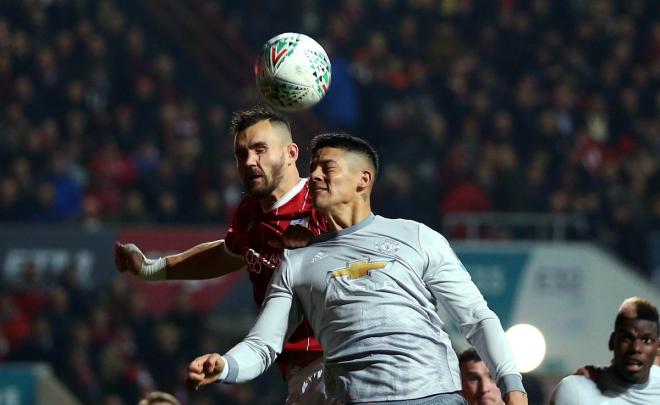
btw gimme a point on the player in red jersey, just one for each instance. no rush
(276, 198)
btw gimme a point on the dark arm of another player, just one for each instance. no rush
(204, 261)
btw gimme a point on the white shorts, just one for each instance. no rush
(306, 384)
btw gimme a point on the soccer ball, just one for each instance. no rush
(293, 72)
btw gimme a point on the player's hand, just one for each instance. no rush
(129, 258)
(593, 373)
(515, 398)
(204, 370)
(590, 371)
(294, 237)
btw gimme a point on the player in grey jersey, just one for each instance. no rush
(370, 290)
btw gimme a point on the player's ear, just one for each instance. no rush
(366, 179)
(292, 153)
(611, 342)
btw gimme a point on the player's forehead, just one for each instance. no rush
(329, 154)
(262, 132)
(636, 327)
(475, 367)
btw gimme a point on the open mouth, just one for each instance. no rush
(634, 365)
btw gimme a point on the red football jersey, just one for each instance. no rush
(251, 230)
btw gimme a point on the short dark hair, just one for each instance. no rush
(637, 308)
(468, 356)
(349, 143)
(243, 119)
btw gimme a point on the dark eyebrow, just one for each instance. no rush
(471, 374)
(325, 162)
(243, 149)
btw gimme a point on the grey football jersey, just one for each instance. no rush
(370, 292)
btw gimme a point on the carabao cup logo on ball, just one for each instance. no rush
(293, 72)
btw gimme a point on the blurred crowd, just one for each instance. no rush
(107, 348)
(98, 125)
(476, 106)
(504, 106)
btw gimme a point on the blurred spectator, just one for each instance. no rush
(134, 209)
(30, 293)
(159, 398)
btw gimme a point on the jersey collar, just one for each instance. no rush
(288, 196)
(345, 231)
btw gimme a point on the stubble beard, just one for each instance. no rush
(270, 186)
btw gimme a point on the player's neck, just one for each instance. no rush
(612, 370)
(288, 182)
(345, 215)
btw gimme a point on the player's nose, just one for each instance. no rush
(252, 158)
(316, 174)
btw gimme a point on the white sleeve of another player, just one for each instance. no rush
(569, 392)
(252, 356)
(453, 288)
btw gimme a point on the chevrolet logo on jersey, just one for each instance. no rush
(358, 269)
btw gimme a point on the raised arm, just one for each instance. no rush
(453, 288)
(204, 261)
(252, 356)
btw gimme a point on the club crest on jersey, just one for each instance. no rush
(388, 246)
(319, 256)
(358, 269)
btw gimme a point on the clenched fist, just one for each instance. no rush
(204, 370)
(129, 258)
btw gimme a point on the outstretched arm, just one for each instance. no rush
(204, 261)
(453, 288)
(252, 356)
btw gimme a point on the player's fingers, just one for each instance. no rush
(195, 377)
(136, 260)
(212, 363)
(120, 249)
(120, 261)
(582, 371)
(193, 381)
(132, 257)
(196, 365)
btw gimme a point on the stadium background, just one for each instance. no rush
(539, 119)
